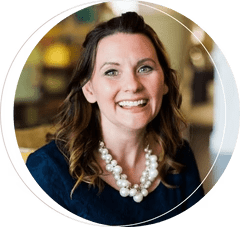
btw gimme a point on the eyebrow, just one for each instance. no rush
(110, 63)
(145, 59)
(138, 63)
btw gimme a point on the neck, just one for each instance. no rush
(125, 146)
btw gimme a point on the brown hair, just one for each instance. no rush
(79, 132)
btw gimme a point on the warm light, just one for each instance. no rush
(57, 55)
(197, 35)
(119, 7)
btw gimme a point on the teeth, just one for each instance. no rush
(132, 103)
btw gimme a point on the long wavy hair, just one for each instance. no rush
(79, 130)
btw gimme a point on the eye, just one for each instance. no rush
(111, 73)
(145, 69)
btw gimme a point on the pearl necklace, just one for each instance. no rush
(126, 189)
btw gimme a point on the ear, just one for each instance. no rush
(89, 92)
(165, 89)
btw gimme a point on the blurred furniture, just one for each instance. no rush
(31, 139)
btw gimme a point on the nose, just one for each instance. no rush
(132, 83)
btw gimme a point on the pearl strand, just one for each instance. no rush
(137, 191)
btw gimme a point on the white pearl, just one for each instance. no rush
(147, 162)
(149, 151)
(108, 157)
(152, 174)
(114, 162)
(147, 184)
(101, 144)
(109, 167)
(143, 180)
(119, 183)
(125, 183)
(138, 198)
(117, 169)
(147, 156)
(124, 192)
(103, 156)
(144, 173)
(104, 151)
(136, 186)
(151, 178)
(146, 149)
(144, 192)
(153, 165)
(153, 158)
(117, 177)
(124, 176)
(133, 192)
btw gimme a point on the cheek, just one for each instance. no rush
(105, 93)
(157, 89)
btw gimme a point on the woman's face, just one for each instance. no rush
(127, 82)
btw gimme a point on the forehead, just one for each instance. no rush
(125, 45)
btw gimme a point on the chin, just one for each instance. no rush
(136, 125)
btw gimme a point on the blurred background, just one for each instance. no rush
(45, 76)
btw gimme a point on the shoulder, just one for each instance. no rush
(185, 156)
(46, 162)
(184, 146)
(184, 153)
(190, 177)
(47, 153)
(49, 168)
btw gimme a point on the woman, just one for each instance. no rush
(118, 157)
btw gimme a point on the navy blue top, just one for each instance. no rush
(50, 169)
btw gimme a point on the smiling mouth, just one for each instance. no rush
(140, 103)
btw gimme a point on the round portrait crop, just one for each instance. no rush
(118, 156)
